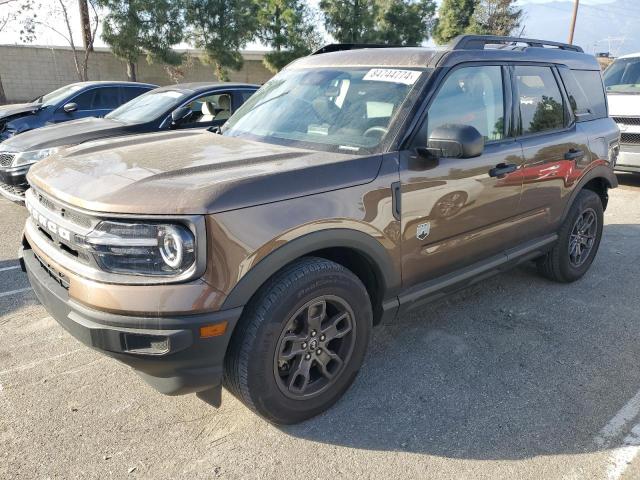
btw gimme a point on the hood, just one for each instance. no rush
(192, 172)
(62, 134)
(16, 108)
(624, 105)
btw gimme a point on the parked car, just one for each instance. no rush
(622, 81)
(188, 105)
(353, 187)
(77, 100)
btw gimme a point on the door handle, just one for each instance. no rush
(573, 154)
(502, 169)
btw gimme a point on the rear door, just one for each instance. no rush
(454, 213)
(554, 149)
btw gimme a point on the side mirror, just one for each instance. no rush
(70, 107)
(179, 113)
(455, 141)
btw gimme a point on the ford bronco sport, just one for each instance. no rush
(356, 185)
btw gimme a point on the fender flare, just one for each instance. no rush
(603, 172)
(365, 244)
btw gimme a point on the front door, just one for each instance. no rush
(208, 110)
(453, 212)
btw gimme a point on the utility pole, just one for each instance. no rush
(85, 24)
(572, 29)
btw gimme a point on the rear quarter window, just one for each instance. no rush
(586, 93)
(129, 93)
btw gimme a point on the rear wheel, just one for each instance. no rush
(300, 342)
(578, 242)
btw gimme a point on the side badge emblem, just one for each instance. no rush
(423, 231)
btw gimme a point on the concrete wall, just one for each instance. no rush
(27, 72)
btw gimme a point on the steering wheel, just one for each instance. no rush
(373, 130)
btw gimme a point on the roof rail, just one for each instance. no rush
(338, 47)
(478, 42)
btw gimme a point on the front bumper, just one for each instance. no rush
(628, 158)
(167, 352)
(13, 183)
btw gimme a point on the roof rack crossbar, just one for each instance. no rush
(338, 47)
(478, 42)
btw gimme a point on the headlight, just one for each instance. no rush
(142, 248)
(33, 156)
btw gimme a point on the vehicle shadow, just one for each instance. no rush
(13, 279)
(629, 179)
(514, 367)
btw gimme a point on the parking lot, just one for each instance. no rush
(517, 377)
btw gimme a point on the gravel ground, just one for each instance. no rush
(515, 378)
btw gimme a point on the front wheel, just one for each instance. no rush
(301, 341)
(578, 240)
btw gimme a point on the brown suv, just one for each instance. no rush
(356, 185)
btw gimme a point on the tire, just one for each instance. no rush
(285, 312)
(559, 264)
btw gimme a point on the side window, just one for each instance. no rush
(578, 100)
(469, 96)
(106, 98)
(84, 100)
(540, 101)
(208, 109)
(591, 81)
(129, 93)
(245, 95)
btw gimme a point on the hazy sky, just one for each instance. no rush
(47, 37)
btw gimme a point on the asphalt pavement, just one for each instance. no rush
(514, 378)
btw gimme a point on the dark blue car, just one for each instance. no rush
(71, 102)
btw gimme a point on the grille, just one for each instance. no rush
(70, 215)
(627, 120)
(60, 278)
(630, 138)
(6, 159)
(13, 190)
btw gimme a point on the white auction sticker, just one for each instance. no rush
(408, 77)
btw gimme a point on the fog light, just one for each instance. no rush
(146, 344)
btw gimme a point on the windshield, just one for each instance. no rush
(325, 109)
(54, 97)
(147, 107)
(623, 76)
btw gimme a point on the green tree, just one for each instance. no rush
(454, 18)
(351, 21)
(495, 17)
(405, 22)
(398, 22)
(221, 28)
(143, 27)
(287, 27)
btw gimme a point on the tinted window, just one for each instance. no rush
(84, 100)
(469, 96)
(591, 83)
(106, 98)
(129, 93)
(540, 100)
(244, 95)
